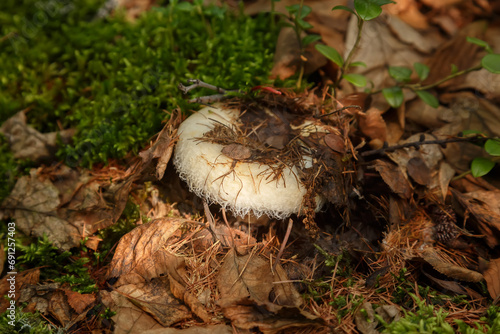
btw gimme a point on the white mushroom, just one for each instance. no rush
(226, 175)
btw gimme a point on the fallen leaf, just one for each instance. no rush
(245, 284)
(140, 254)
(485, 220)
(492, 278)
(23, 280)
(211, 329)
(373, 125)
(27, 143)
(163, 146)
(154, 298)
(394, 177)
(128, 318)
(59, 307)
(365, 321)
(431, 256)
(79, 302)
(35, 203)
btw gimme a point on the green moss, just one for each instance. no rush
(112, 79)
(27, 323)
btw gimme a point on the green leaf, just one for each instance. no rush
(356, 79)
(491, 62)
(428, 98)
(400, 73)
(293, 8)
(454, 69)
(467, 133)
(492, 146)
(369, 9)
(357, 63)
(310, 39)
(481, 166)
(303, 24)
(184, 6)
(479, 42)
(393, 95)
(422, 70)
(306, 10)
(330, 53)
(344, 8)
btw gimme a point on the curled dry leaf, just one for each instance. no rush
(163, 146)
(373, 125)
(140, 254)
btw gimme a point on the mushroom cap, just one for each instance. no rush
(242, 186)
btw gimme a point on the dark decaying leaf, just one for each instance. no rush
(453, 286)
(394, 177)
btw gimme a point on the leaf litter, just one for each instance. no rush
(406, 215)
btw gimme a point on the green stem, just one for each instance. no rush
(298, 30)
(418, 87)
(345, 67)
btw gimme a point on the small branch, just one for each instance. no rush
(338, 110)
(195, 83)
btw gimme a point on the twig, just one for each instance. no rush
(195, 83)
(338, 110)
(283, 244)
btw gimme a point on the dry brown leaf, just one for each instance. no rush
(454, 52)
(59, 307)
(79, 302)
(212, 329)
(408, 12)
(128, 318)
(154, 297)
(35, 203)
(23, 280)
(453, 286)
(481, 216)
(492, 278)
(287, 58)
(140, 254)
(245, 284)
(373, 125)
(431, 256)
(365, 321)
(394, 177)
(163, 146)
(27, 143)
